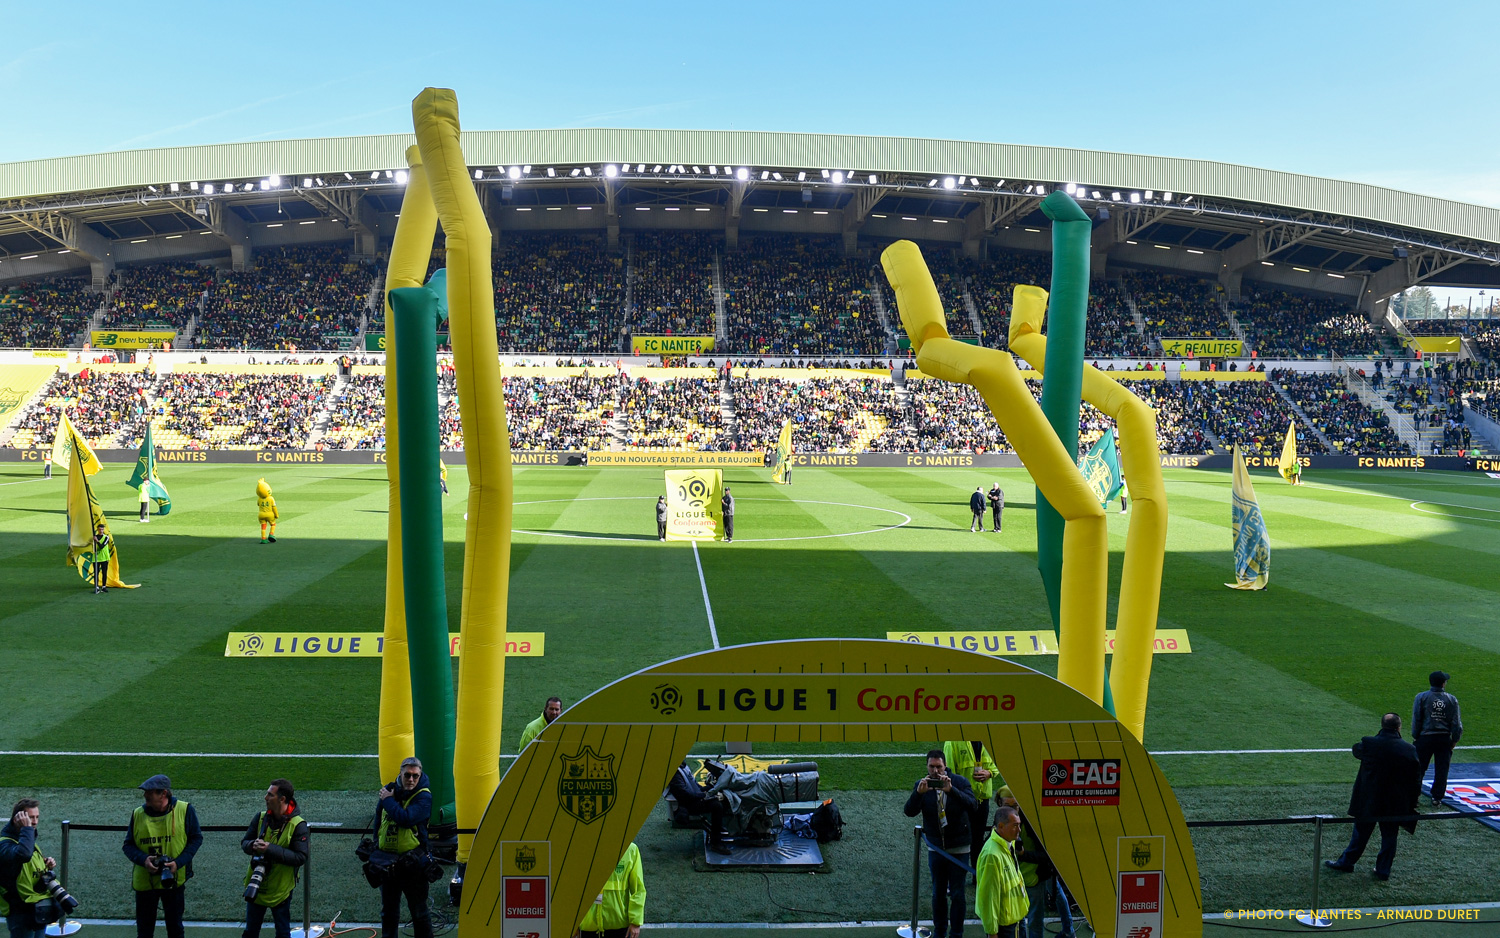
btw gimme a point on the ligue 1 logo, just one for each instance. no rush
(694, 491)
(251, 645)
(666, 699)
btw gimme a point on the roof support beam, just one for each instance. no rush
(74, 235)
(737, 191)
(857, 211)
(351, 207)
(1405, 272)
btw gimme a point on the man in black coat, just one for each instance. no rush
(976, 508)
(996, 498)
(1389, 780)
(726, 509)
(661, 518)
(946, 803)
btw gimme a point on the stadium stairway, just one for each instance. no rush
(973, 309)
(1135, 314)
(325, 411)
(1213, 439)
(1306, 421)
(1234, 324)
(726, 407)
(721, 318)
(881, 313)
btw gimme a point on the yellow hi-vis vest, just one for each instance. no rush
(25, 889)
(399, 839)
(159, 836)
(280, 879)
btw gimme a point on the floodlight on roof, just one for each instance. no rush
(478, 174)
(375, 175)
(348, 177)
(175, 187)
(697, 171)
(1135, 197)
(802, 175)
(1166, 196)
(1115, 196)
(1187, 200)
(1150, 194)
(551, 172)
(826, 174)
(152, 188)
(1094, 194)
(973, 180)
(640, 167)
(949, 182)
(389, 174)
(265, 184)
(194, 186)
(742, 174)
(713, 170)
(400, 177)
(575, 171)
(307, 182)
(1041, 189)
(526, 169)
(249, 187)
(611, 170)
(765, 174)
(207, 189)
(514, 172)
(776, 176)
(838, 177)
(275, 179)
(1071, 188)
(588, 170)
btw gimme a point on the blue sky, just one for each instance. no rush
(1393, 94)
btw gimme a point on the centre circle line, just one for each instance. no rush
(748, 540)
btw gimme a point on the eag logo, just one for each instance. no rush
(666, 699)
(1057, 773)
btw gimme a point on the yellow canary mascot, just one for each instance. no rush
(266, 506)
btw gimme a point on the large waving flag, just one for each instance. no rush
(145, 473)
(67, 442)
(84, 516)
(783, 453)
(1287, 465)
(1252, 546)
(1101, 468)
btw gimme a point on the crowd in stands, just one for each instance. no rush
(679, 413)
(237, 411)
(1175, 306)
(672, 284)
(1179, 428)
(832, 415)
(356, 414)
(1448, 326)
(946, 418)
(798, 296)
(569, 414)
(559, 294)
(1290, 325)
(45, 314)
(992, 284)
(295, 297)
(103, 406)
(157, 293)
(1483, 395)
(1248, 413)
(1345, 419)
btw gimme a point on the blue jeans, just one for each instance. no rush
(23, 925)
(949, 902)
(1038, 897)
(281, 918)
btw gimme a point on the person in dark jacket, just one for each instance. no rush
(162, 838)
(1389, 780)
(976, 508)
(20, 865)
(996, 498)
(661, 517)
(946, 803)
(726, 509)
(276, 841)
(1436, 728)
(695, 800)
(401, 828)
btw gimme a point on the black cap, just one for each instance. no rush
(1437, 678)
(156, 783)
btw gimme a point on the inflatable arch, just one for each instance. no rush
(577, 796)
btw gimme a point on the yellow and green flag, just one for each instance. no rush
(145, 474)
(1287, 465)
(84, 516)
(67, 442)
(783, 454)
(1101, 468)
(1252, 546)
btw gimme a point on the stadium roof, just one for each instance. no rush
(1243, 216)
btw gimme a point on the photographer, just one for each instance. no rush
(946, 803)
(21, 866)
(276, 841)
(161, 840)
(401, 825)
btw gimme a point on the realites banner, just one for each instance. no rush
(682, 458)
(693, 510)
(1008, 644)
(1203, 348)
(102, 338)
(671, 344)
(354, 644)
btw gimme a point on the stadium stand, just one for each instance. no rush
(798, 296)
(218, 410)
(45, 314)
(674, 413)
(157, 293)
(103, 405)
(950, 418)
(1340, 414)
(1174, 306)
(1111, 332)
(558, 295)
(571, 413)
(1289, 325)
(836, 414)
(295, 298)
(1248, 413)
(356, 414)
(672, 284)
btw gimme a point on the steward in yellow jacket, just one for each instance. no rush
(621, 908)
(974, 762)
(1000, 900)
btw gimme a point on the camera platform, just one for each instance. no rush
(788, 852)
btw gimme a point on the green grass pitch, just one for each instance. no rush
(1377, 578)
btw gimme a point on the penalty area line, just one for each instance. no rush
(713, 631)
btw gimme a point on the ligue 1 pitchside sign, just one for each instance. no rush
(578, 795)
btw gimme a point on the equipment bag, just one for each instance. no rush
(828, 822)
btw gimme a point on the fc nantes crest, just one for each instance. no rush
(586, 789)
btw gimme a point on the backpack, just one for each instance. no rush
(827, 822)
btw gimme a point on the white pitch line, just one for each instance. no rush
(707, 606)
(24, 481)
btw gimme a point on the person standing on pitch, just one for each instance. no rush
(47, 465)
(996, 498)
(973, 761)
(661, 517)
(1436, 728)
(1389, 780)
(401, 826)
(276, 841)
(21, 865)
(103, 544)
(550, 711)
(946, 803)
(1124, 494)
(145, 501)
(976, 508)
(1000, 899)
(161, 839)
(620, 909)
(726, 506)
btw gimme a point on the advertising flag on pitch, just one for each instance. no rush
(1252, 546)
(67, 442)
(145, 474)
(84, 516)
(693, 509)
(1101, 468)
(1287, 465)
(783, 454)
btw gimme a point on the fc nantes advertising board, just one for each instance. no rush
(671, 344)
(581, 791)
